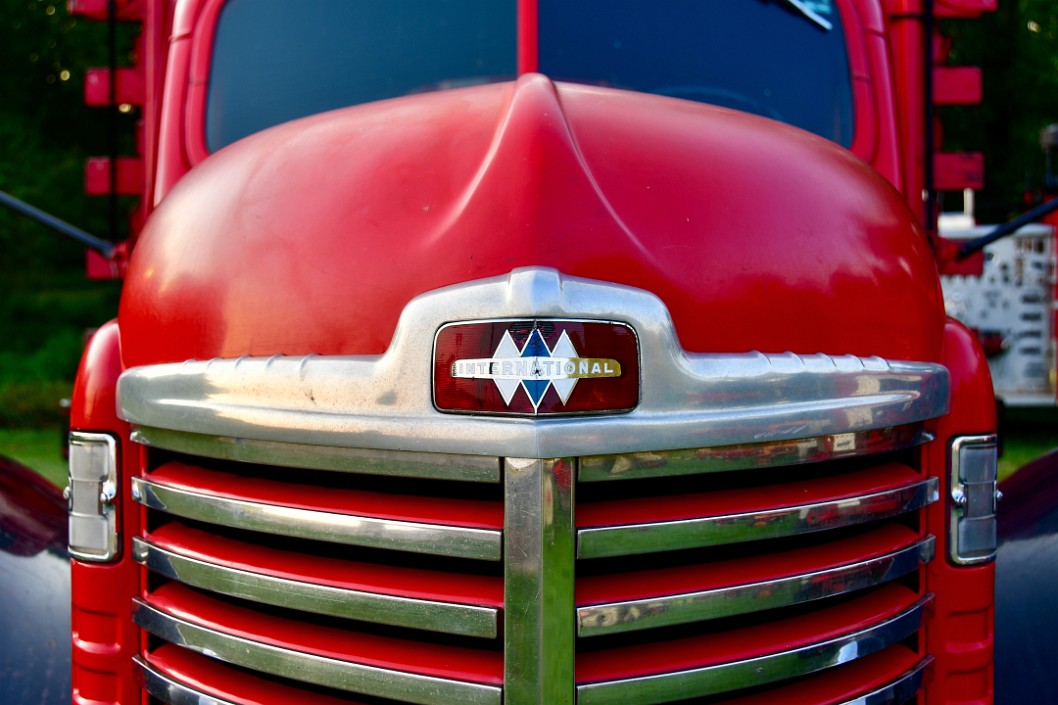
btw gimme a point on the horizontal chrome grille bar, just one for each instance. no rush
(605, 541)
(667, 610)
(171, 691)
(437, 539)
(310, 668)
(469, 620)
(899, 691)
(434, 466)
(722, 678)
(632, 466)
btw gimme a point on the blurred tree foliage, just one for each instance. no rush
(1017, 50)
(46, 132)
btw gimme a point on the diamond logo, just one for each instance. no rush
(535, 368)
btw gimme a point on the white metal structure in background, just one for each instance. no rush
(1011, 306)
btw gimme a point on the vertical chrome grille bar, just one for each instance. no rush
(539, 624)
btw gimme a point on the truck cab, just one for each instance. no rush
(496, 352)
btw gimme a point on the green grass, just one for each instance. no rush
(44, 318)
(32, 404)
(40, 449)
(1027, 434)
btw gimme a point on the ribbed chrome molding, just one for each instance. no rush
(309, 668)
(384, 402)
(172, 691)
(750, 456)
(470, 620)
(682, 608)
(436, 539)
(722, 678)
(623, 540)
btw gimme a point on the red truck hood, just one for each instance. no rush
(312, 236)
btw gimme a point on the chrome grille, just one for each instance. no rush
(825, 580)
(325, 578)
(751, 533)
(770, 577)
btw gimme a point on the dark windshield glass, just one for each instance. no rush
(759, 56)
(276, 60)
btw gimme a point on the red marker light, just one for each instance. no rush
(536, 367)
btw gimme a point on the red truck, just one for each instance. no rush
(531, 352)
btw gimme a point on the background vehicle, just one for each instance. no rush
(1011, 305)
(1010, 299)
(334, 443)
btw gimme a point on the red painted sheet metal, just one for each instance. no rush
(660, 194)
(451, 662)
(402, 507)
(230, 684)
(741, 643)
(961, 635)
(104, 636)
(745, 501)
(640, 584)
(349, 575)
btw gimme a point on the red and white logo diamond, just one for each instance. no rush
(535, 366)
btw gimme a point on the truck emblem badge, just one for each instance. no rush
(537, 366)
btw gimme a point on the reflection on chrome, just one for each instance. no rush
(435, 539)
(721, 678)
(434, 466)
(380, 608)
(749, 456)
(309, 668)
(171, 691)
(602, 541)
(682, 608)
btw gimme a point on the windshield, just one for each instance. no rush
(276, 60)
(759, 56)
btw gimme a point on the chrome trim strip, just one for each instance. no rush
(667, 610)
(309, 668)
(172, 691)
(538, 582)
(899, 691)
(469, 620)
(689, 400)
(437, 539)
(623, 540)
(722, 678)
(633, 466)
(431, 466)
